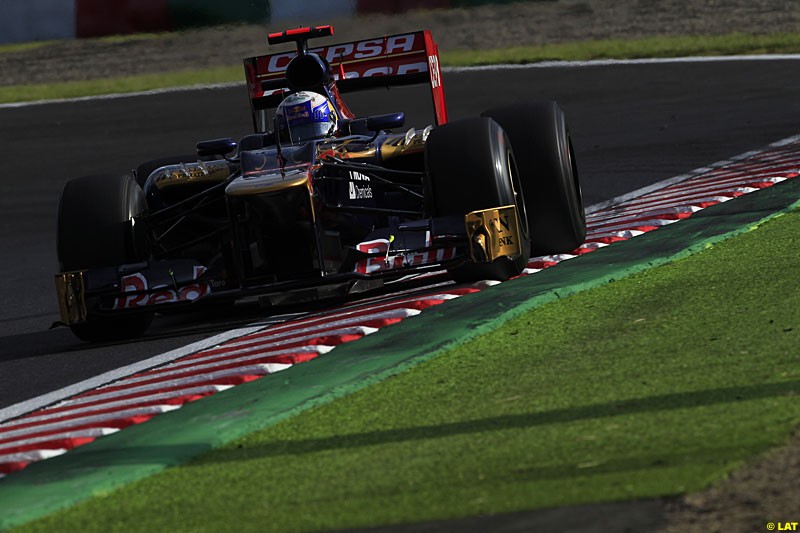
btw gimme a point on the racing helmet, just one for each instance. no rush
(305, 116)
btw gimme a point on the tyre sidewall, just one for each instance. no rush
(95, 222)
(548, 172)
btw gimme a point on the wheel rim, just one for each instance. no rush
(518, 194)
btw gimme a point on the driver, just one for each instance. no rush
(304, 116)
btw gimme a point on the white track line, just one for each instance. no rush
(615, 62)
(326, 321)
(27, 406)
(683, 177)
(538, 65)
(116, 96)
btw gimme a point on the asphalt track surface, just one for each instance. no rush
(632, 125)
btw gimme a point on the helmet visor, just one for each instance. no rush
(305, 132)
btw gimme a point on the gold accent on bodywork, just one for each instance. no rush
(70, 287)
(493, 233)
(412, 142)
(346, 149)
(200, 172)
(248, 186)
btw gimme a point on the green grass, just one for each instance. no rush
(653, 385)
(724, 45)
(76, 89)
(127, 38)
(23, 47)
(733, 44)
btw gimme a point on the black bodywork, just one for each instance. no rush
(291, 216)
(257, 217)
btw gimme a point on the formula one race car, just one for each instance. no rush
(318, 199)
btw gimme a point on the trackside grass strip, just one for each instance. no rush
(732, 44)
(659, 47)
(656, 384)
(129, 84)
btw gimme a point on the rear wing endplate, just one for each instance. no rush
(394, 60)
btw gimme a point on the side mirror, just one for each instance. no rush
(386, 122)
(216, 147)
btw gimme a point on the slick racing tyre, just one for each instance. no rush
(470, 166)
(95, 229)
(546, 162)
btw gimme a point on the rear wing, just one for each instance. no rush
(403, 59)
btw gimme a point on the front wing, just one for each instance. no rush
(481, 236)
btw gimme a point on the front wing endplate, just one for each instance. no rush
(493, 233)
(70, 288)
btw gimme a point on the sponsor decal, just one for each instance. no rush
(384, 260)
(502, 226)
(358, 71)
(387, 70)
(370, 48)
(358, 176)
(358, 191)
(436, 75)
(395, 55)
(138, 282)
(493, 233)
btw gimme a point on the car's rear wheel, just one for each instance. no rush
(546, 161)
(96, 229)
(470, 166)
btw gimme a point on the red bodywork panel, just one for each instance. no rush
(403, 59)
(291, 35)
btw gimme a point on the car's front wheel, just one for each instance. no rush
(96, 229)
(470, 166)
